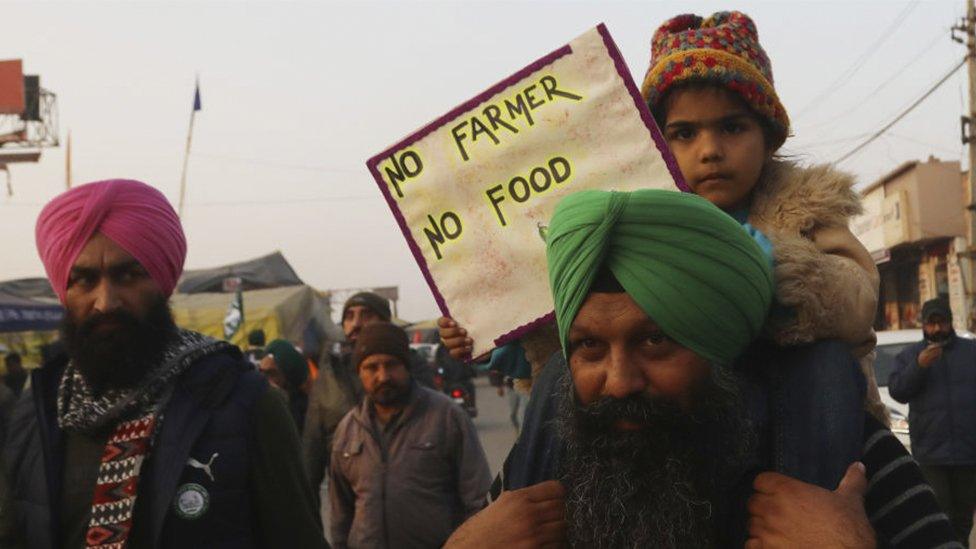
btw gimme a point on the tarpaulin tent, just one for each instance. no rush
(270, 271)
(299, 314)
(20, 314)
(29, 317)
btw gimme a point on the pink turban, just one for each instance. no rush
(132, 214)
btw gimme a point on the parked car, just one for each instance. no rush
(890, 343)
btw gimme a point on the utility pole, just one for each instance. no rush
(967, 27)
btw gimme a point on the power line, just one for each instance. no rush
(904, 113)
(283, 201)
(871, 95)
(920, 142)
(278, 164)
(860, 61)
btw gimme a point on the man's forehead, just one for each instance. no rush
(618, 307)
(101, 252)
(359, 309)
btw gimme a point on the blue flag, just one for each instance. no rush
(196, 98)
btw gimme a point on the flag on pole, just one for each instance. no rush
(196, 98)
(234, 319)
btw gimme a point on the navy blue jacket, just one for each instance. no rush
(209, 412)
(941, 402)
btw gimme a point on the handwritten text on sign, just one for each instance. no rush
(474, 190)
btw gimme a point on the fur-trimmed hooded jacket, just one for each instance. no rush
(823, 273)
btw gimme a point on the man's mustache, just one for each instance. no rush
(641, 410)
(115, 318)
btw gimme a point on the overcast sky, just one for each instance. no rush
(296, 97)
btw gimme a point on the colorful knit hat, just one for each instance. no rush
(723, 48)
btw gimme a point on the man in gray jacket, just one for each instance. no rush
(407, 465)
(936, 377)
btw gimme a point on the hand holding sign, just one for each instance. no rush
(474, 190)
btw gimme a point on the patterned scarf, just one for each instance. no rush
(134, 415)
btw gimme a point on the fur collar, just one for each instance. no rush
(795, 199)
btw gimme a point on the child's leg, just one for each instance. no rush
(817, 411)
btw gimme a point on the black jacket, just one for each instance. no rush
(209, 413)
(941, 402)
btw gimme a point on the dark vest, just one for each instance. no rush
(209, 413)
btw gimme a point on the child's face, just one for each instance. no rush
(718, 143)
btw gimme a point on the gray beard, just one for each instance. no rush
(663, 486)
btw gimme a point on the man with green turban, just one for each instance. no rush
(658, 431)
(687, 264)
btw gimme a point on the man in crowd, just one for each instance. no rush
(660, 429)
(142, 434)
(255, 347)
(407, 465)
(337, 388)
(287, 370)
(936, 377)
(16, 375)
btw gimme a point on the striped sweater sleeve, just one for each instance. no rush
(899, 503)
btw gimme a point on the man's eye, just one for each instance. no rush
(583, 343)
(80, 280)
(657, 338)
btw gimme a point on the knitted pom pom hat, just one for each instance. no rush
(723, 48)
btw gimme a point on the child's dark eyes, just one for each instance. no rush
(734, 127)
(682, 134)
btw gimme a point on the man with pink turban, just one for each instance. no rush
(142, 434)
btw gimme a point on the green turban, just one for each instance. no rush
(289, 361)
(687, 264)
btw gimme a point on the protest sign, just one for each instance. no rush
(474, 190)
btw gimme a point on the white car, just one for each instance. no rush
(890, 343)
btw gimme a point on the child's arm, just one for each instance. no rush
(830, 283)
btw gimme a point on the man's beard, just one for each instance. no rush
(121, 355)
(940, 336)
(391, 394)
(663, 485)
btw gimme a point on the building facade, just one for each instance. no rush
(915, 225)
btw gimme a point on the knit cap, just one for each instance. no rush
(937, 306)
(374, 302)
(382, 338)
(723, 48)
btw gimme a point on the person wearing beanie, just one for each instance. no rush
(287, 370)
(710, 88)
(936, 377)
(337, 388)
(660, 415)
(407, 464)
(137, 433)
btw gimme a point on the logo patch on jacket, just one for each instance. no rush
(192, 501)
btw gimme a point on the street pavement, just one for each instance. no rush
(494, 427)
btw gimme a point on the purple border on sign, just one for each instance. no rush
(374, 162)
(645, 114)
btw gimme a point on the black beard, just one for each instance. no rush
(395, 394)
(940, 336)
(121, 356)
(663, 485)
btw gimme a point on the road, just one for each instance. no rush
(494, 428)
